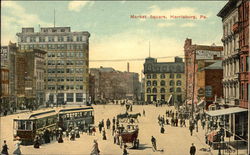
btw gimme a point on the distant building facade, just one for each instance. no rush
(110, 84)
(67, 62)
(196, 58)
(164, 80)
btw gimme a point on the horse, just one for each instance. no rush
(135, 116)
(122, 116)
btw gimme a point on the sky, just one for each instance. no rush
(114, 33)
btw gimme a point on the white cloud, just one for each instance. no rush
(78, 5)
(188, 25)
(165, 24)
(17, 18)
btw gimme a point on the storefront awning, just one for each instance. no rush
(201, 103)
(225, 111)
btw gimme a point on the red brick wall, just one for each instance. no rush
(244, 51)
(214, 78)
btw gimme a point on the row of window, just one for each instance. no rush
(61, 79)
(69, 97)
(65, 87)
(163, 76)
(68, 62)
(163, 83)
(245, 64)
(68, 70)
(52, 39)
(53, 46)
(162, 90)
(66, 54)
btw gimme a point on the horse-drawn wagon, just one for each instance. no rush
(130, 136)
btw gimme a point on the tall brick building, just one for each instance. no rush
(198, 57)
(243, 28)
(30, 78)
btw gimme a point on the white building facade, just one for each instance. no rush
(67, 62)
(231, 84)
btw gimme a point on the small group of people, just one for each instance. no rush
(17, 150)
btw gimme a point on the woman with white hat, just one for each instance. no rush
(17, 150)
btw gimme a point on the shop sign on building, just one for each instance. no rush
(206, 54)
(208, 91)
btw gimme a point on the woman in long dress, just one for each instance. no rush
(17, 150)
(95, 149)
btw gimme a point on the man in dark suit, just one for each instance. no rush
(192, 149)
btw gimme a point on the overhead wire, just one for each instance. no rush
(130, 59)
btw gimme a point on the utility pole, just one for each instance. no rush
(56, 85)
(192, 111)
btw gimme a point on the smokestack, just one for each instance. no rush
(127, 66)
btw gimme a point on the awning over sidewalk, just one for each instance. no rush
(226, 111)
(201, 103)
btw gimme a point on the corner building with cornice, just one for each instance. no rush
(164, 81)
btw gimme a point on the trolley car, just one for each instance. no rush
(81, 117)
(28, 127)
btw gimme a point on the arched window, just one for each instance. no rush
(178, 89)
(154, 83)
(171, 83)
(162, 76)
(162, 90)
(171, 90)
(149, 76)
(178, 83)
(171, 76)
(148, 83)
(154, 90)
(163, 83)
(154, 76)
(148, 90)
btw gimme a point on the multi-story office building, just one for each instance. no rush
(30, 78)
(8, 54)
(230, 39)
(235, 21)
(67, 62)
(164, 80)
